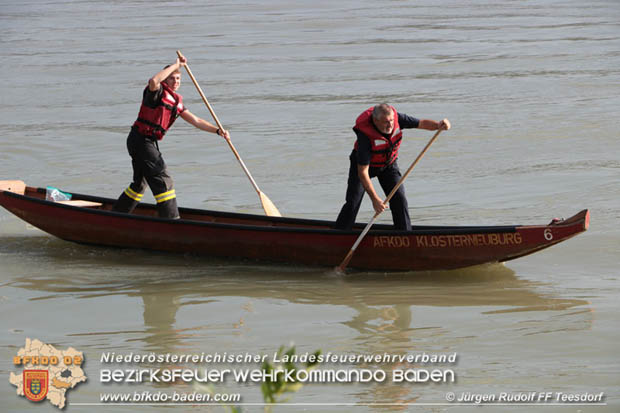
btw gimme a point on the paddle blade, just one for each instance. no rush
(339, 271)
(343, 265)
(268, 206)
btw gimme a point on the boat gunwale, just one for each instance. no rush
(382, 230)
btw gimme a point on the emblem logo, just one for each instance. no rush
(36, 384)
(48, 373)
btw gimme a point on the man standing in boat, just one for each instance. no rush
(161, 105)
(379, 134)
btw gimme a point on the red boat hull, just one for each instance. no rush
(308, 242)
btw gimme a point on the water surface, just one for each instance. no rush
(531, 88)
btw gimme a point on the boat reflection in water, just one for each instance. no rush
(193, 305)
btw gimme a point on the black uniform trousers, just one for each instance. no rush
(148, 168)
(388, 178)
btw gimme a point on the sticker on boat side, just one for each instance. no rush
(468, 240)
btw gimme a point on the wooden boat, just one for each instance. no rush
(89, 220)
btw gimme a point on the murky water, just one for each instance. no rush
(531, 88)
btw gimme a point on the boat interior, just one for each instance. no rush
(207, 216)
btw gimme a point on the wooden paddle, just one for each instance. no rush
(268, 206)
(340, 269)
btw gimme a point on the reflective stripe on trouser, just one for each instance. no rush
(165, 196)
(133, 194)
(167, 204)
(129, 199)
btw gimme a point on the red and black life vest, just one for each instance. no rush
(384, 151)
(154, 121)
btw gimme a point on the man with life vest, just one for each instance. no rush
(379, 134)
(161, 105)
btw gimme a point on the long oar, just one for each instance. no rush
(346, 260)
(268, 206)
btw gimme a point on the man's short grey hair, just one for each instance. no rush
(381, 110)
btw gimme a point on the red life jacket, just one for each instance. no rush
(383, 151)
(154, 121)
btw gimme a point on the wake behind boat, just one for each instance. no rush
(89, 219)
